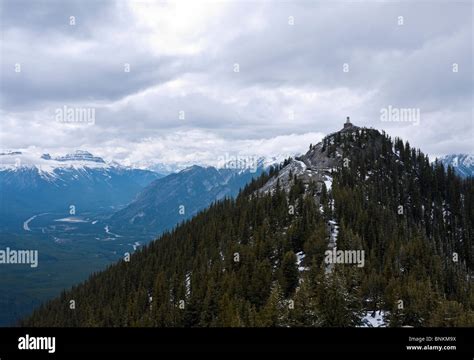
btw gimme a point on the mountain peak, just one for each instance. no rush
(79, 155)
(9, 152)
(463, 164)
(348, 126)
(46, 164)
(318, 164)
(192, 168)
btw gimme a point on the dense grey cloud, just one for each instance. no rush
(82, 61)
(182, 100)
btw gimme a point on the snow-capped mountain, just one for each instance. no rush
(244, 163)
(238, 162)
(32, 183)
(463, 164)
(47, 165)
(79, 155)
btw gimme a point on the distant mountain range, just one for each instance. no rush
(31, 184)
(463, 164)
(176, 197)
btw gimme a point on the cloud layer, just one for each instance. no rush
(186, 82)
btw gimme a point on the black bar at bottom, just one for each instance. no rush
(432, 342)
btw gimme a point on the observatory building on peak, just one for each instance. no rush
(348, 123)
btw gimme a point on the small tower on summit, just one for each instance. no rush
(348, 123)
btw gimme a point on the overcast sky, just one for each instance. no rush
(302, 68)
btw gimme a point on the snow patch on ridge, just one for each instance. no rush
(328, 182)
(375, 319)
(299, 260)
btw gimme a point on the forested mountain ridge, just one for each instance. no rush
(259, 259)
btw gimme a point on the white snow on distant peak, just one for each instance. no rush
(463, 164)
(46, 164)
(78, 155)
(276, 160)
(248, 162)
(469, 160)
(458, 159)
